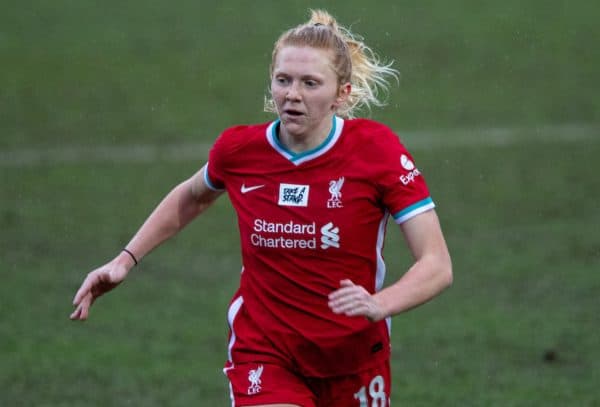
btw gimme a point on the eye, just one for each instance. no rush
(311, 83)
(281, 80)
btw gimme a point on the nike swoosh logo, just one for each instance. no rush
(246, 189)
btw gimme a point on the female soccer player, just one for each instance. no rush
(313, 191)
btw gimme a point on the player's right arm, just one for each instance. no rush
(184, 203)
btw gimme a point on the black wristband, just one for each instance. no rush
(132, 256)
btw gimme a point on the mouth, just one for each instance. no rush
(293, 113)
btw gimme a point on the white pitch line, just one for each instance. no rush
(497, 137)
(138, 153)
(144, 153)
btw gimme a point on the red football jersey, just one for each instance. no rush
(308, 220)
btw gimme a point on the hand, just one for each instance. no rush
(354, 300)
(97, 283)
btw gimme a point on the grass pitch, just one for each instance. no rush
(497, 103)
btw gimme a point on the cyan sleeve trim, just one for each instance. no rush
(413, 210)
(208, 182)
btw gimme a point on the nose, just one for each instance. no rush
(293, 93)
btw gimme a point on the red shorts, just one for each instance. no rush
(259, 373)
(259, 383)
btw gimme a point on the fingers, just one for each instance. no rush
(86, 287)
(96, 283)
(85, 295)
(353, 300)
(75, 314)
(347, 288)
(348, 298)
(83, 308)
(348, 301)
(346, 283)
(351, 309)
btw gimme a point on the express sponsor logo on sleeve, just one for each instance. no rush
(409, 166)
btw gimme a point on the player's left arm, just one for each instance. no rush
(430, 274)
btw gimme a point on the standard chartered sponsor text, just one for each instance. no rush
(282, 242)
(288, 228)
(261, 225)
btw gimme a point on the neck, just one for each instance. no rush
(301, 142)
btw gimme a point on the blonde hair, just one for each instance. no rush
(352, 61)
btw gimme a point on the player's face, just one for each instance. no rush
(305, 90)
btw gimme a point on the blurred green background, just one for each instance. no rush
(104, 106)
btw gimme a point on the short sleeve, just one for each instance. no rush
(214, 174)
(405, 193)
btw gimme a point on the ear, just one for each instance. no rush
(343, 94)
